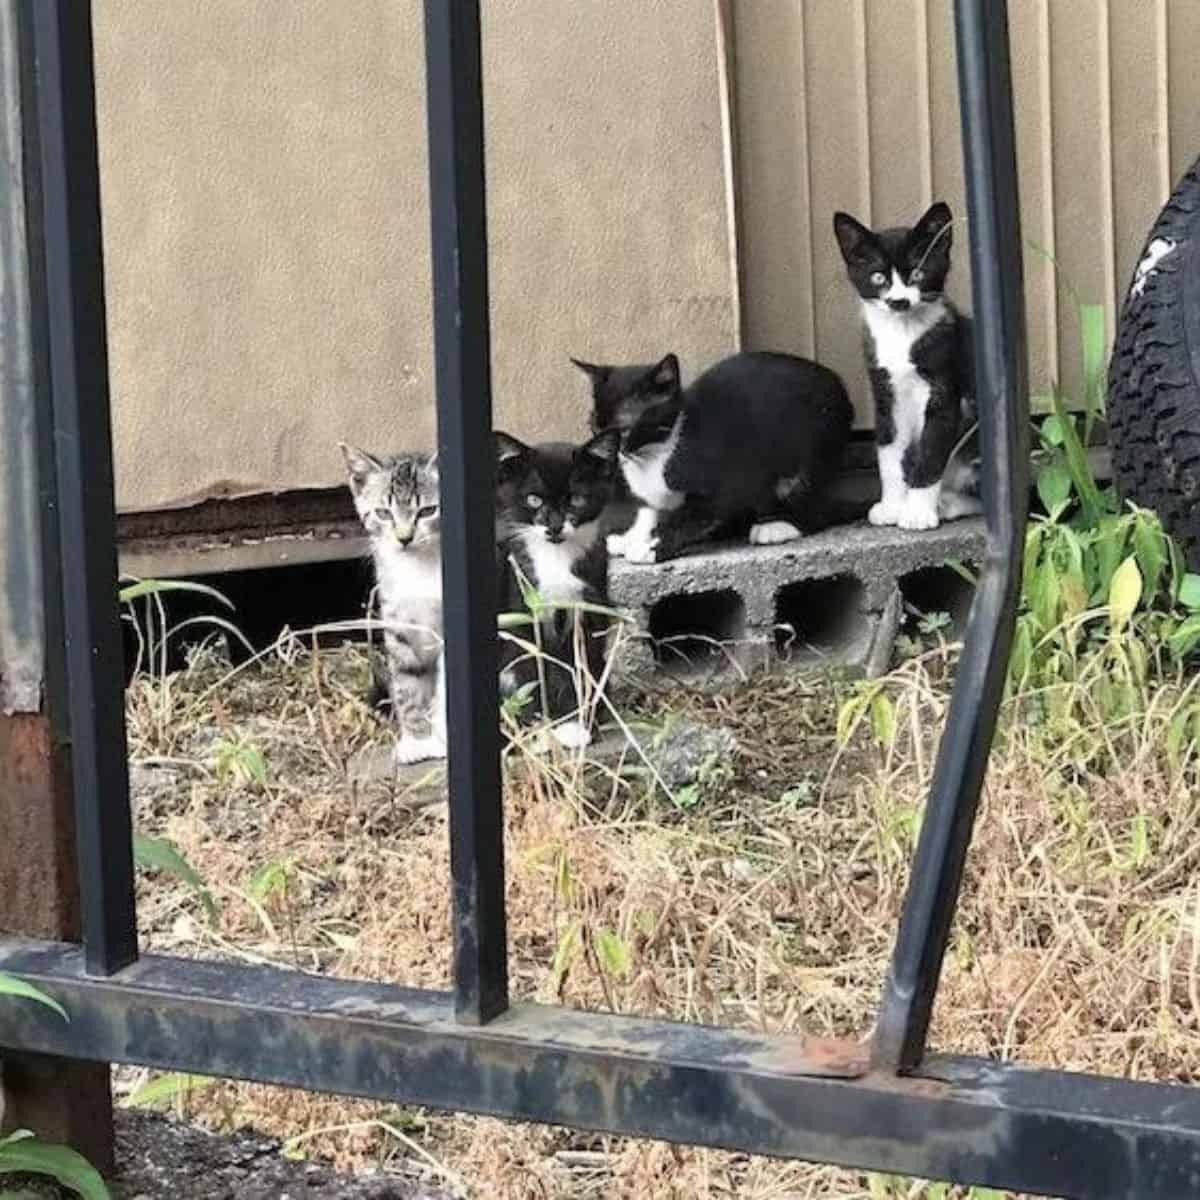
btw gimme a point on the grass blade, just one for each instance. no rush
(159, 854)
(166, 1088)
(1093, 339)
(10, 985)
(1077, 463)
(154, 587)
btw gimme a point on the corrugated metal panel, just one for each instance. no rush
(853, 104)
(1183, 83)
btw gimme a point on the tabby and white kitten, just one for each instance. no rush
(549, 501)
(396, 497)
(918, 359)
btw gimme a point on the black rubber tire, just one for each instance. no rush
(1154, 375)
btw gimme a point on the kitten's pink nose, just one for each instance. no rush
(899, 305)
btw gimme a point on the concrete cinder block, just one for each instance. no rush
(834, 597)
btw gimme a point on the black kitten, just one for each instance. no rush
(918, 359)
(549, 500)
(749, 448)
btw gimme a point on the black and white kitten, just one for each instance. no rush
(748, 449)
(918, 351)
(549, 500)
(396, 497)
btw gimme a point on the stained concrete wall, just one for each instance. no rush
(266, 223)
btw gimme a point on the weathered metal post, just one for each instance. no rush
(62, 1100)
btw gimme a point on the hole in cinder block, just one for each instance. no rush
(815, 618)
(937, 600)
(693, 628)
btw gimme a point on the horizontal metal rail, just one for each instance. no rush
(969, 1120)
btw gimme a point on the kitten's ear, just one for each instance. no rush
(936, 224)
(592, 371)
(359, 464)
(853, 237)
(665, 374)
(508, 449)
(603, 447)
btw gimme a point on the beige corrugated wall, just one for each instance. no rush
(853, 104)
(267, 234)
(266, 226)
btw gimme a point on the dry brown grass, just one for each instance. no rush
(769, 907)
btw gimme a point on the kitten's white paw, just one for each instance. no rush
(772, 533)
(886, 512)
(417, 749)
(572, 734)
(918, 513)
(641, 550)
(615, 544)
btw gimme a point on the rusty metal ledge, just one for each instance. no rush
(964, 1119)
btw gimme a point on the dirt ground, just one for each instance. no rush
(762, 893)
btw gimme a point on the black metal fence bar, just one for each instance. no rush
(969, 1120)
(467, 467)
(69, 331)
(1000, 387)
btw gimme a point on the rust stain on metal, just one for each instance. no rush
(38, 892)
(910, 1085)
(834, 1058)
(64, 1101)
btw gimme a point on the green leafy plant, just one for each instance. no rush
(1104, 596)
(23, 1153)
(161, 854)
(868, 701)
(10, 985)
(274, 882)
(240, 760)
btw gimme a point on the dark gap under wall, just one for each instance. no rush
(265, 602)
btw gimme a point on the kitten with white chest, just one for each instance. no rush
(396, 497)
(918, 360)
(549, 501)
(747, 450)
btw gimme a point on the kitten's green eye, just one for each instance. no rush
(579, 502)
(878, 278)
(423, 514)
(532, 501)
(916, 275)
(383, 514)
